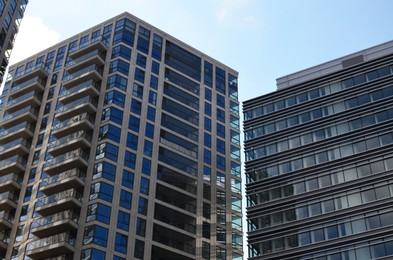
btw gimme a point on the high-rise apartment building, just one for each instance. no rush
(120, 142)
(319, 162)
(11, 14)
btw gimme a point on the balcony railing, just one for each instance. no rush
(59, 196)
(85, 57)
(178, 147)
(24, 97)
(69, 214)
(17, 142)
(81, 101)
(80, 86)
(65, 237)
(41, 66)
(4, 237)
(90, 42)
(13, 196)
(26, 83)
(67, 156)
(22, 111)
(73, 120)
(69, 138)
(11, 177)
(64, 175)
(83, 71)
(15, 128)
(7, 216)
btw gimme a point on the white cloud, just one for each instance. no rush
(235, 12)
(33, 36)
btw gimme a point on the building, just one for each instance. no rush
(319, 161)
(11, 14)
(120, 142)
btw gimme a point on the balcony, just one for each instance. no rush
(173, 239)
(86, 88)
(173, 218)
(93, 57)
(63, 181)
(55, 224)
(21, 130)
(4, 239)
(177, 199)
(40, 70)
(10, 182)
(97, 43)
(65, 200)
(93, 72)
(70, 142)
(157, 252)
(34, 84)
(15, 163)
(84, 105)
(6, 220)
(29, 99)
(8, 200)
(74, 159)
(53, 246)
(80, 122)
(19, 146)
(26, 114)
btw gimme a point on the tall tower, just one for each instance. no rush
(319, 161)
(120, 142)
(11, 14)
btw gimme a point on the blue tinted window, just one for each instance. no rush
(153, 82)
(220, 130)
(139, 249)
(136, 107)
(206, 173)
(121, 243)
(155, 67)
(121, 51)
(110, 132)
(132, 141)
(144, 188)
(114, 97)
(107, 150)
(208, 109)
(220, 80)
(98, 212)
(207, 156)
(220, 115)
(102, 191)
(220, 146)
(220, 101)
(125, 199)
(208, 74)
(120, 66)
(142, 206)
(123, 220)
(139, 75)
(124, 32)
(149, 130)
(117, 81)
(208, 94)
(141, 227)
(157, 47)
(143, 40)
(220, 162)
(141, 60)
(129, 159)
(152, 97)
(104, 170)
(151, 114)
(137, 90)
(96, 235)
(207, 140)
(146, 166)
(148, 148)
(93, 254)
(127, 179)
(133, 123)
(112, 114)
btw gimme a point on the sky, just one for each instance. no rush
(261, 39)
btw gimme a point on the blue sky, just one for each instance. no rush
(262, 39)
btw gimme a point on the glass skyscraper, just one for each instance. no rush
(319, 162)
(120, 142)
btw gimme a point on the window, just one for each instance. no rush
(117, 81)
(157, 47)
(151, 113)
(141, 227)
(139, 249)
(101, 190)
(121, 51)
(208, 94)
(153, 82)
(109, 132)
(127, 179)
(137, 90)
(220, 101)
(142, 206)
(208, 124)
(93, 254)
(220, 146)
(220, 80)
(152, 98)
(208, 109)
(141, 60)
(146, 166)
(114, 97)
(119, 66)
(149, 130)
(96, 235)
(121, 243)
(107, 150)
(220, 115)
(133, 123)
(208, 74)
(207, 140)
(112, 114)
(220, 162)
(148, 148)
(125, 199)
(23, 213)
(136, 107)
(98, 212)
(143, 40)
(144, 188)
(132, 141)
(104, 170)
(139, 75)
(129, 159)
(155, 67)
(123, 220)
(207, 156)
(220, 130)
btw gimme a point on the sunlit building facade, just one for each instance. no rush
(319, 162)
(11, 14)
(120, 142)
